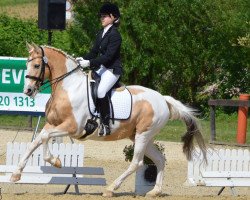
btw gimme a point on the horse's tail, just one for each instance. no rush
(187, 114)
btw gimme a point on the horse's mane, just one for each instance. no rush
(60, 51)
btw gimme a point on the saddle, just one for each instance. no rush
(120, 101)
(95, 79)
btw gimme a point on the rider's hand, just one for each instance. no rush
(83, 63)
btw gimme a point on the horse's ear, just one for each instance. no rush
(29, 46)
(36, 48)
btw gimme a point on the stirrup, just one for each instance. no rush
(105, 130)
(91, 126)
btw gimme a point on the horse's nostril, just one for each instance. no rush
(28, 91)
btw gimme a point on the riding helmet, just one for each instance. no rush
(110, 8)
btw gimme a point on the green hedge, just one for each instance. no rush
(15, 32)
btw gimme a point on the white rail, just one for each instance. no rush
(39, 172)
(225, 168)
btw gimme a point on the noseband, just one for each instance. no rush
(40, 80)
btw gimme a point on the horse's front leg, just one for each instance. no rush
(47, 156)
(16, 175)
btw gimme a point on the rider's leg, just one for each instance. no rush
(108, 79)
(104, 110)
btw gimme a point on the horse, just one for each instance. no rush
(67, 113)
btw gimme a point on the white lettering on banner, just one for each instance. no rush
(16, 75)
(5, 75)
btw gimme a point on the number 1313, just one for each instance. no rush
(24, 101)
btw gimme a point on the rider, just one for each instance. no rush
(104, 59)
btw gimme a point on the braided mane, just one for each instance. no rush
(59, 51)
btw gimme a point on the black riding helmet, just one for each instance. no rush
(109, 8)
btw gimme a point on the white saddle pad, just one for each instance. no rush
(122, 104)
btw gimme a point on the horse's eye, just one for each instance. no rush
(37, 66)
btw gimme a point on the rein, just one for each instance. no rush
(58, 79)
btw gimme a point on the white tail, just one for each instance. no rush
(178, 110)
(187, 114)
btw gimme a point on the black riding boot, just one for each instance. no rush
(104, 115)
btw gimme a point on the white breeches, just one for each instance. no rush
(108, 79)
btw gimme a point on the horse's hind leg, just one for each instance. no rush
(156, 156)
(140, 146)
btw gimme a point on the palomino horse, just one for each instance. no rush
(67, 112)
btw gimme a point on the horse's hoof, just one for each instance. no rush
(108, 193)
(152, 194)
(15, 177)
(58, 163)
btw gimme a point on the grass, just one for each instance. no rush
(226, 127)
(22, 9)
(19, 122)
(16, 2)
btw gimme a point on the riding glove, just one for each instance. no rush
(83, 63)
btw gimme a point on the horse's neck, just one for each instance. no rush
(76, 81)
(71, 91)
(60, 65)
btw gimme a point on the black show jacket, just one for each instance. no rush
(106, 51)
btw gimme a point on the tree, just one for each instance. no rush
(176, 47)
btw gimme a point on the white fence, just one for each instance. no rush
(71, 155)
(225, 168)
(38, 171)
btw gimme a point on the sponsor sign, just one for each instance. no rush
(12, 99)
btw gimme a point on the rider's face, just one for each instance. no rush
(107, 19)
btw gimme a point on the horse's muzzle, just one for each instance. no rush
(30, 91)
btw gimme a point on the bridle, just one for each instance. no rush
(40, 79)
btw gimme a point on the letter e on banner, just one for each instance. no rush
(6, 76)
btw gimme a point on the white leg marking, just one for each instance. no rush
(141, 141)
(156, 156)
(16, 175)
(47, 156)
